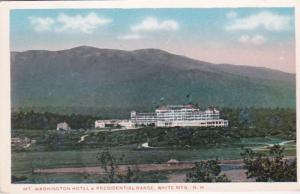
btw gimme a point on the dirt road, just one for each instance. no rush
(123, 168)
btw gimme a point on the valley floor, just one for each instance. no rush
(177, 172)
(80, 165)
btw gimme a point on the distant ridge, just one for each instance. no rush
(100, 81)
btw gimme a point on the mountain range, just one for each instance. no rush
(107, 82)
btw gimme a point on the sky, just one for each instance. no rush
(263, 37)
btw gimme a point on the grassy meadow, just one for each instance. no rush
(72, 153)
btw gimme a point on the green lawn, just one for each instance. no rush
(24, 161)
(38, 157)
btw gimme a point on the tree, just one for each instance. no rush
(114, 175)
(269, 168)
(108, 163)
(206, 171)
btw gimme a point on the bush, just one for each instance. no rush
(271, 168)
(206, 171)
(109, 164)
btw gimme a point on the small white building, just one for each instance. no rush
(21, 142)
(126, 124)
(63, 126)
(173, 162)
(100, 124)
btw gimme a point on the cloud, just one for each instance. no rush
(265, 19)
(42, 24)
(258, 39)
(244, 39)
(231, 14)
(87, 24)
(151, 24)
(255, 40)
(63, 22)
(131, 37)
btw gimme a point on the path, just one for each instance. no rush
(27, 145)
(82, 138)
(123, 168)
(266, 146)
(146, 145)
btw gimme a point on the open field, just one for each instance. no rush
(174, 172)
(131, 156)
(74, 150)
(88, 157)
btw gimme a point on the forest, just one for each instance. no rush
(249, 122)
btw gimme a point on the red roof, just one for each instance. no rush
(163, 108)
(191, 106)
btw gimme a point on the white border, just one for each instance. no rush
(7, 187)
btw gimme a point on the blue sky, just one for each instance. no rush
(245, 36)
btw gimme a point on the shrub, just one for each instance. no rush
(271, 168)
(206, 171)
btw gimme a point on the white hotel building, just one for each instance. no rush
(180, 115)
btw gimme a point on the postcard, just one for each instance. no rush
(149, 96)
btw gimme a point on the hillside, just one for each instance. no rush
(108, 82)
